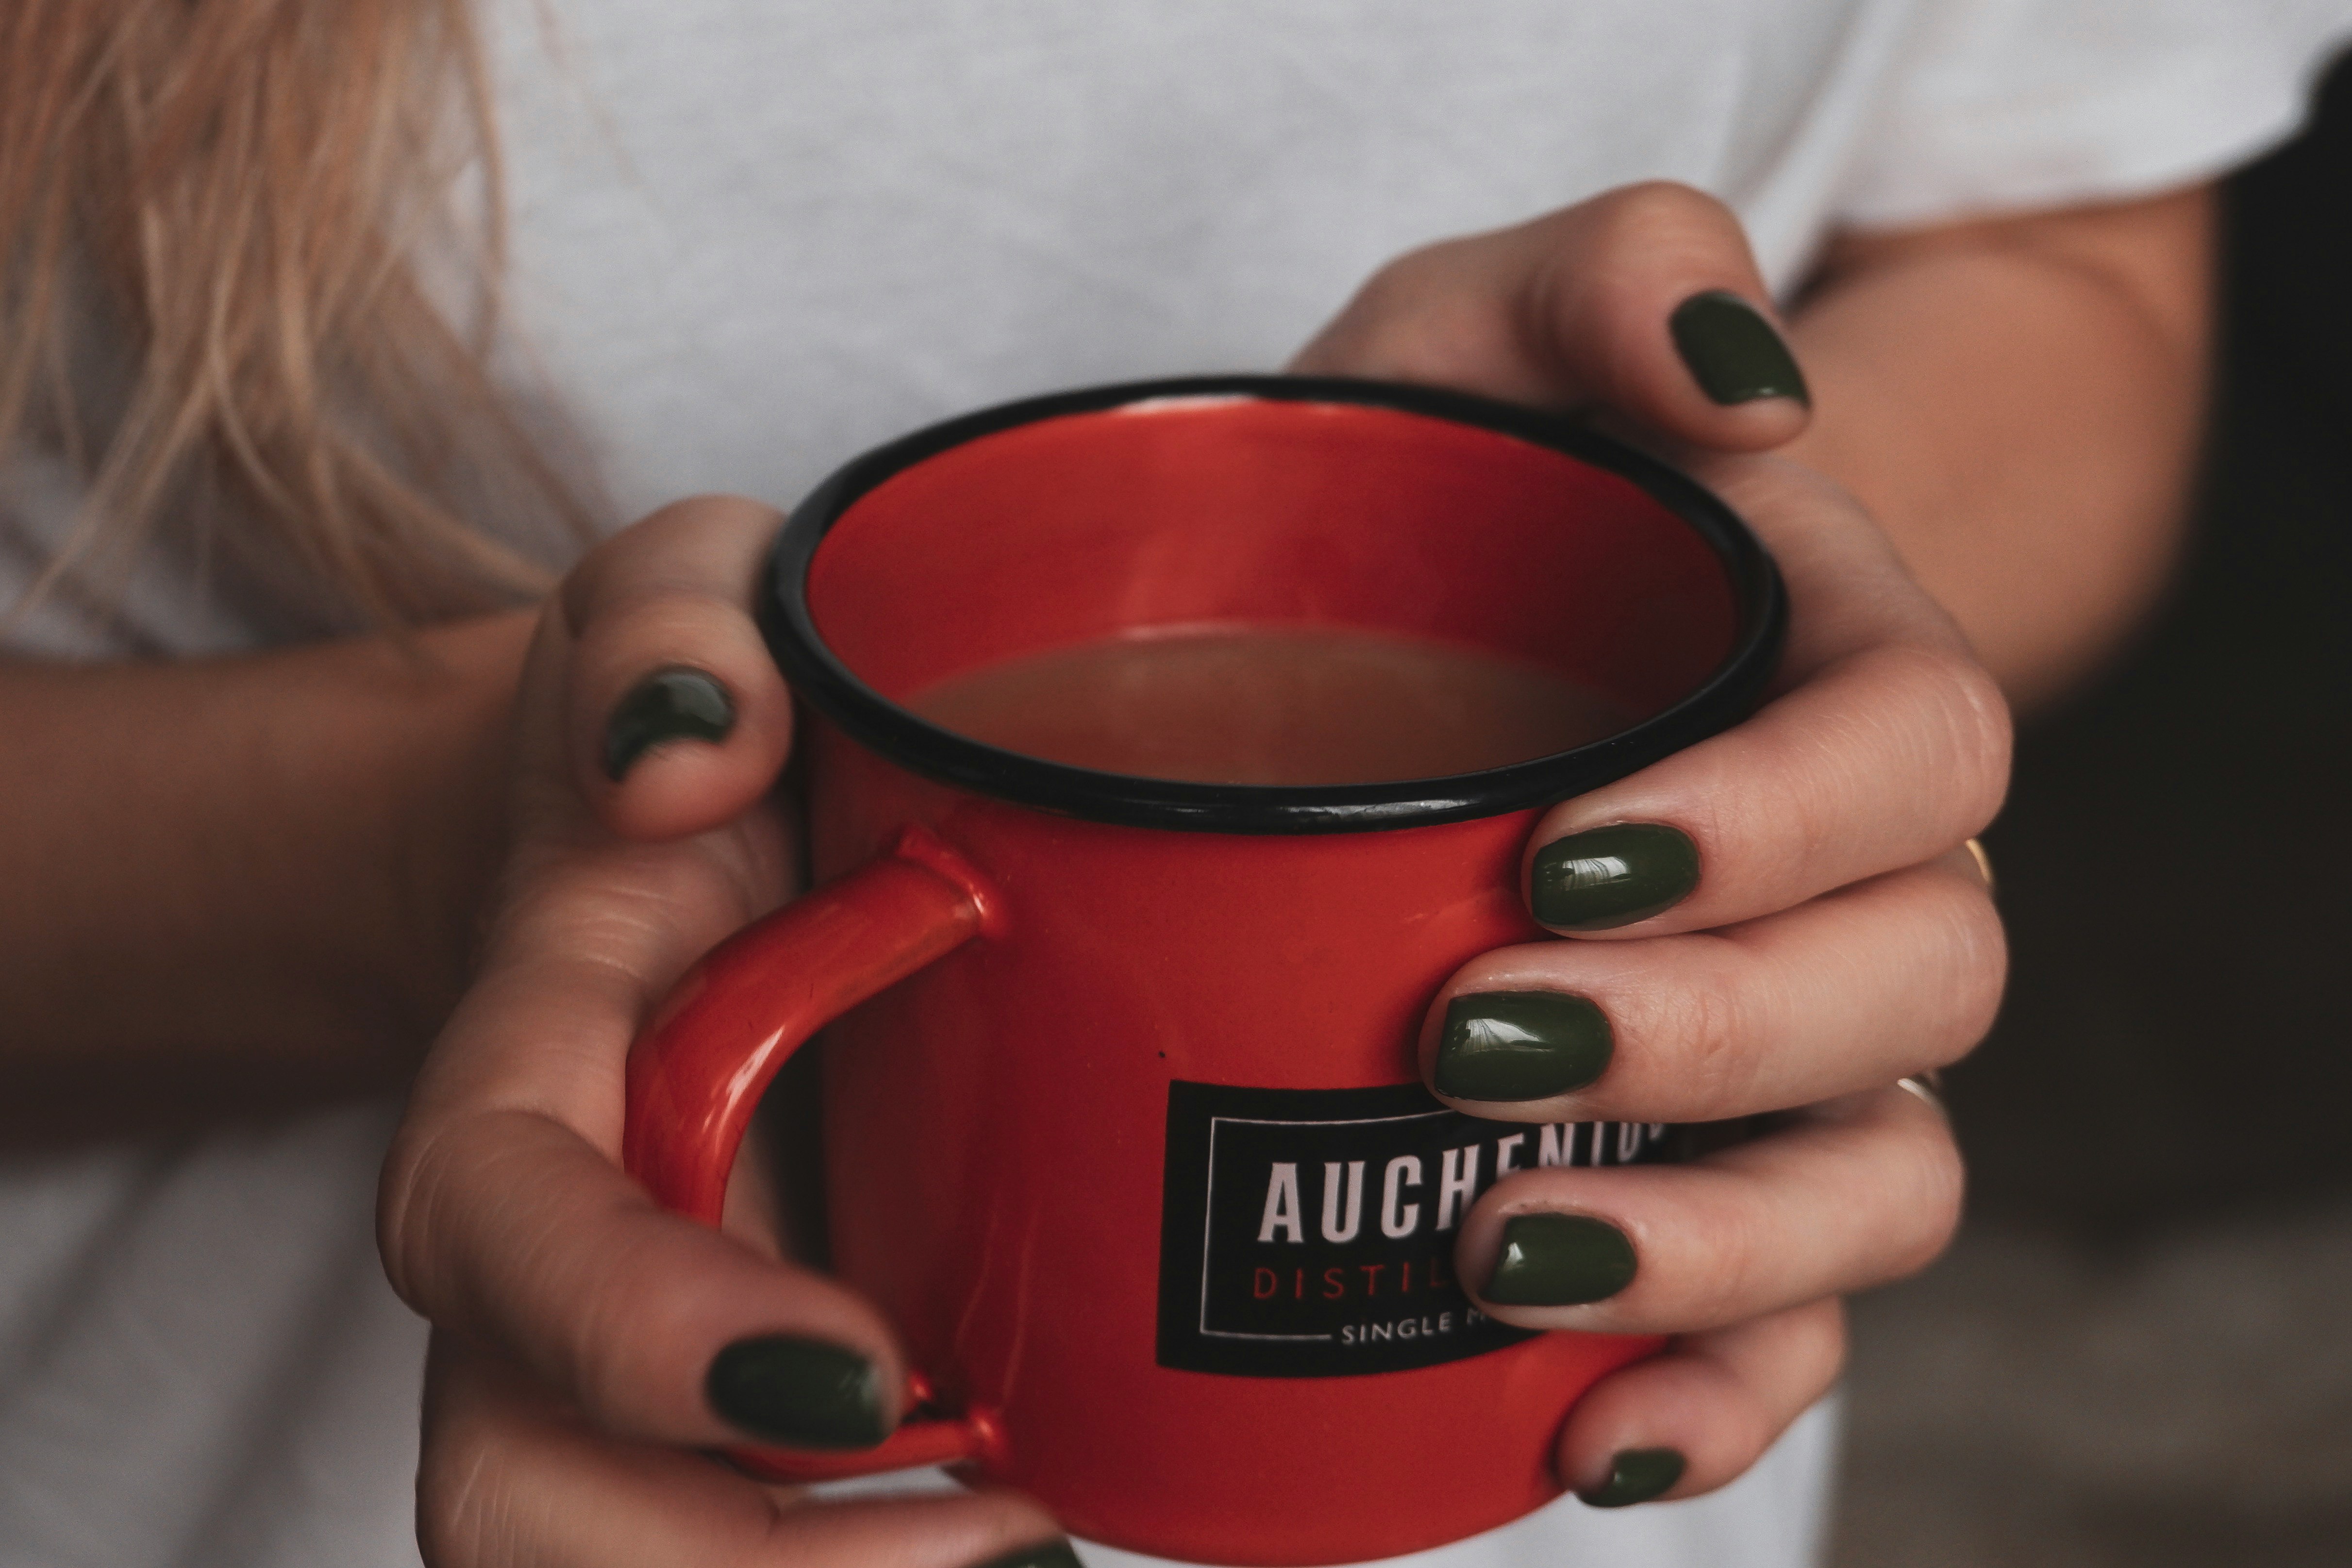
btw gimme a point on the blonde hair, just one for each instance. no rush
(217, 213)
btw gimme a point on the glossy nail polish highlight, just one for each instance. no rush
(1611, 876)
(1636, 1475)
(1733, 352)
(1520, 1045)
(669, 705)
(1560, 1260)
(1051, 1554)
(803, 1393)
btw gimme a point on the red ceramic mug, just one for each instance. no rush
(1123, 1125)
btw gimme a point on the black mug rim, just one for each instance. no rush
(827, 685)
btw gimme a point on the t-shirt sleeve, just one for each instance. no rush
(2002, 105)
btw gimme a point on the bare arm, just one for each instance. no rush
(253, 875)
(243, 880)
(2015, 400)
(2018, 402)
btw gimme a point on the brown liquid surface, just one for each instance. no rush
(1313, 706)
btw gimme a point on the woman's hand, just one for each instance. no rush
(1780, 920)
(2014, 399)
(583, 1332)
(579, 1329)
(1819, 933)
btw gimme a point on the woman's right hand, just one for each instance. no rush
(585, 1342)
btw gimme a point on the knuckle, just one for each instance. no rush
(1647, 206)
(404, 1204)
(1415, 319)
(1706, 1033)
(1931, 1197)
(1766, 488)
(465, 1508)
(668, 615)
(712, 516)
(1816, 1351)
(1933, 719)
(701, 506)
(1722, 1285)
(1945, 990)
(1718, 1270)
(1984, 732)
(1403, 281)
(1979, 946)
(1966, 730)
(600, 1340)
(1402, 290)
(683, 542)
(1827, 1323)
(577, 596)
(1656, 219)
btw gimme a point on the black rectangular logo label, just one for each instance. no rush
(1309, 1233)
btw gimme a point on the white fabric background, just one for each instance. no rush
(754, 238)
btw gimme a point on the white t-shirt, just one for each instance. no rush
(751, 239)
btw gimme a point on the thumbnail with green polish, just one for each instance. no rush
(1051, 1554)
(1636, 1475)
(1560, 1260)
(668, 705)
(804, 1394)
(1733, 352)
(1520, 1045)
(1611, 876)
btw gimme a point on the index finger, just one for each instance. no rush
(1645, 299)
(505, 1216)
(1886, 745)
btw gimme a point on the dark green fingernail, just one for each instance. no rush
(1520, 1045)
(1733, 350)
(1560, 1260)
(668, 705)
(803, 1393)
(1636, 1475)
(1052, 1555)
(1611, 876)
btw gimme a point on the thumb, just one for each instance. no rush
(1644, 302)
(650, 702)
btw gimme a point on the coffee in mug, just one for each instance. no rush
(1273, 705)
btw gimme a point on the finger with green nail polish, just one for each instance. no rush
(676, 704)
(1048, 1555)
(1636, 1475)
(1613, 876)
(1560, 1260)
(1520, 1045)
(802, 1392)
(1732, 353)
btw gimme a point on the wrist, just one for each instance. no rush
(448, 812)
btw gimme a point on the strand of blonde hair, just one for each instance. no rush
(223, 207)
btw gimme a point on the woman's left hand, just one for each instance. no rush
(1781, 922)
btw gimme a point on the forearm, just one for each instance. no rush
(2018, 404)
(257, 865)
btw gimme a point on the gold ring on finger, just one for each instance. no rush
(1929, 1087)
(1984, 862)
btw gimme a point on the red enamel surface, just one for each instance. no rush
(697, 1072)
(996, 1120)
(995, 1138)
(1317, 514)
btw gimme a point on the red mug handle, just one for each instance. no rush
(696, 1073)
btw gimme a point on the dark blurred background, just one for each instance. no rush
(2140, 1352)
